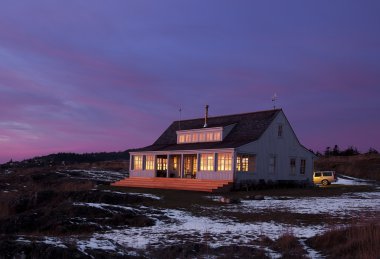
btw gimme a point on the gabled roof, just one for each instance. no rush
(248, 128)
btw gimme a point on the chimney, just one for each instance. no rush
(206, 116)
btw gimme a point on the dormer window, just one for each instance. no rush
(200, 135)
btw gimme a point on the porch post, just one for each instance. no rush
(167, 165)
(233, 165)
(198, 166)
(181, 167)
(215, 162)
(130, 164)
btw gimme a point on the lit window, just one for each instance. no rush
(217, 136)
(181, 138)
(137, 162)
(201, 137)
(292, 165)
(149, 163)
(161, 163)
(207, 162)
(224, 162)
(209, 136)
(175, 163)
(242, 163)
(194, 137)
(279, 131)
(303, 166)
(188, 138)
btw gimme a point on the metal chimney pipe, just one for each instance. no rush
(206, 116)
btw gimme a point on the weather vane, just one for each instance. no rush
(274, 98)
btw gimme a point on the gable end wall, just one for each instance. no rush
(284, 148)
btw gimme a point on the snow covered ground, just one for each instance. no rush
(184, 227)
(348, 180)
(339, 206)
(176, 226)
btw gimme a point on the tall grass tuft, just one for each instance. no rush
(289, 246)
(355, 241)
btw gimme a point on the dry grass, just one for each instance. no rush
(360, 166)
(356, 241)
(289, 246)
(118, 165)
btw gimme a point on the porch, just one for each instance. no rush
(176, 184)
(202, 166)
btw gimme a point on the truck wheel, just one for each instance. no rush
(325, 182)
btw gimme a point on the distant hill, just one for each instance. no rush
(67, 159)
(366, 166)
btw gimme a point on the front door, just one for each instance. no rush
(162, 166)
(190, 166)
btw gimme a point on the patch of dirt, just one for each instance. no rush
(197, 250)
(15, 249)
(63, 213)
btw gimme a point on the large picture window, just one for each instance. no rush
(224, 162)
(137, 162)
(149, 163)
(207, 162)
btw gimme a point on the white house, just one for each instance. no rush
(257, 147)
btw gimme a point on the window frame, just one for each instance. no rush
(242, 163)
(302, 166)
(293, 166)
(224, 162)
(207, 162)
(138, 162)
(272, 165)
(280, 130)
(149, 162)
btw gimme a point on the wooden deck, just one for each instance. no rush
(176, 184)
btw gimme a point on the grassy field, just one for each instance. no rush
(47, 213)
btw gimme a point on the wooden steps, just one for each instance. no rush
(176, 184)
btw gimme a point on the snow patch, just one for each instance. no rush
(215, 233)
(103, 206)
(95, 243)
(53, 241)
(338, 206)
(146, 195)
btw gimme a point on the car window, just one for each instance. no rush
(317, 174)
(327, 174)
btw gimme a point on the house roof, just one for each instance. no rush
(248, 127)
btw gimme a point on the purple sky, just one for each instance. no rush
(88, 76)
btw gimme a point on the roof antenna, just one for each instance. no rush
(274, 98)
(206, 116)
(180, 115)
